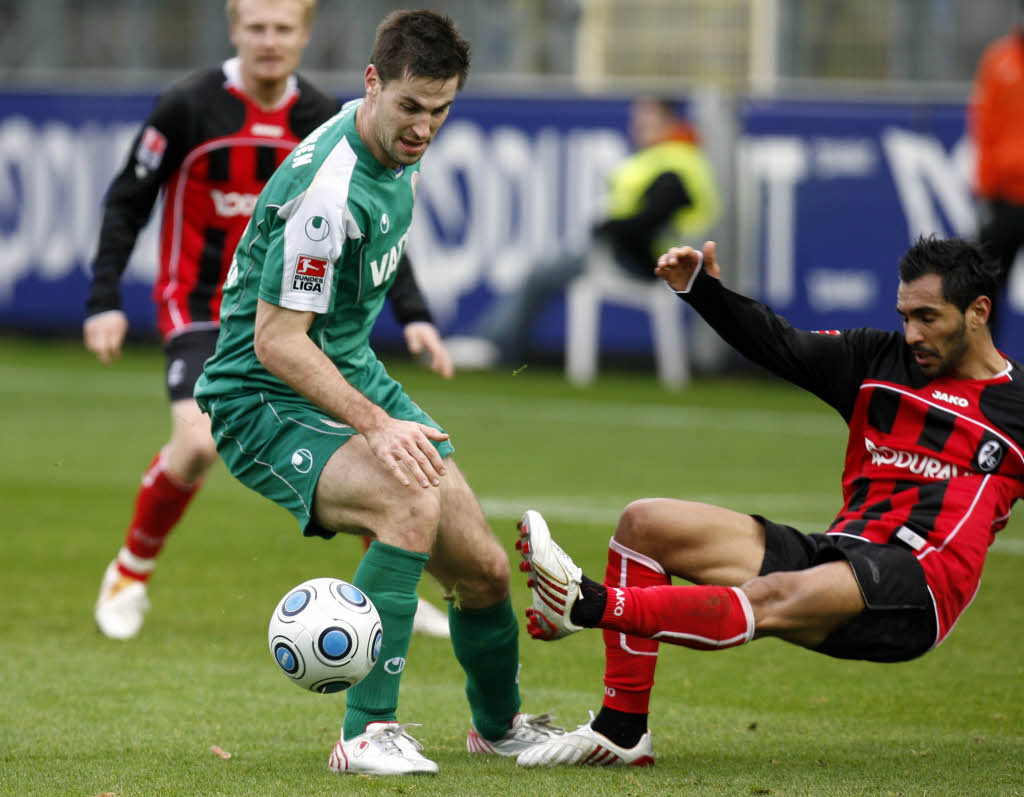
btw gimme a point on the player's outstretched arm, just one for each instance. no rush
(104, 334)
(678, 265)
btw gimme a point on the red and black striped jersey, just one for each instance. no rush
(928, 461)
(210, 148)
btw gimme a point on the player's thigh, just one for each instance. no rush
(356, 492)
(467, 559)
(805, 606)
(702, 543)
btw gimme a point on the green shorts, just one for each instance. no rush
(277, 445)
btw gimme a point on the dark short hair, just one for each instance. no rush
(965, 271)
(420, 44)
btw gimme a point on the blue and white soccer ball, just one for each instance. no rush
(325, 635)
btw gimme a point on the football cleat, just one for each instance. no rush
(122, 604)
(585, 747)
(527, 730)
(554, 581)
(430, 621)
(384, 748)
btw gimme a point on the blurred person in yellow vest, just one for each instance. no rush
(663, 194)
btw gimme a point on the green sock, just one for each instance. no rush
(486, 643)
(389, 576)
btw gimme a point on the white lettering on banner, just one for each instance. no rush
(779, 163)
(52, 180)
(489, 204)
(922, 170)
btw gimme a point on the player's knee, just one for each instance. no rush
(418, 516)
(768, 596)
(637, 525)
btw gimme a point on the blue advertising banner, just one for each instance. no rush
(829, 195)
(832, 194)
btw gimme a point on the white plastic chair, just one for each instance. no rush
(604, 282)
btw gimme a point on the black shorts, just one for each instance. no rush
(186, 354)
(898, 622)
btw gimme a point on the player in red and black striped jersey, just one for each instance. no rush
(209, 146)
(934, 462)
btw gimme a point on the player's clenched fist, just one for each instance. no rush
(679, 264)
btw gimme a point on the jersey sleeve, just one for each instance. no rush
(156, 153)
(407, 300)
(830, 364)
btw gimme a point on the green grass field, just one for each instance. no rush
(83, 715)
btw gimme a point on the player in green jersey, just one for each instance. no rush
(304, 413)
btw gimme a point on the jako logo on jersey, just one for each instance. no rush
(394, 666)
(989, 455)
(151, 149)
(302, 460)
(232, 203)
(950, 398)
(929, 467)
(388, 263)
(385, 223)
(317, 228)
(309, 274)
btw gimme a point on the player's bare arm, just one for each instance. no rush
(104, 334)
(283, 346)
(678, 264)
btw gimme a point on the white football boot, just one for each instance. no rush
(585, 747)
(122, 604)
(528, 730)
(430, 621)
(554, 582)
(384, 748)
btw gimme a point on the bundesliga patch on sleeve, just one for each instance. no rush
(310, 273)
(151, 149)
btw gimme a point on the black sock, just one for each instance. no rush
(587, 610)
(621, 727)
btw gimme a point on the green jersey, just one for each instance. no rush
(325, 236)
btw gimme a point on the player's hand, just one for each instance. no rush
(678, 264)
(405, 449)
(423, 338)
(104, 334)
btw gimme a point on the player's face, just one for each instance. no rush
(269, 36)
(404, 115)
(935, 329)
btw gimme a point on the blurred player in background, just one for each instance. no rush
(210, 144)
(934, 462)
(662, 194)
(996, 127)
(305, 414)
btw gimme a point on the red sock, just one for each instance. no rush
(159, 505)
(700, 617)
(629, 660)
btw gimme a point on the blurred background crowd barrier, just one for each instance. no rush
(836, 128)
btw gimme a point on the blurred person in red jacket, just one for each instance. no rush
(996, 126)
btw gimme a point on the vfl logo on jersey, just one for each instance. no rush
(990, 454)
(151, 149)
(310, 273)
(232, 203)
(317, 228)
(949, 398)
(413, 182)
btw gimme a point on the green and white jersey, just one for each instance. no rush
(325, 236)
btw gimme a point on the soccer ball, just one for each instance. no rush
(325, 635)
